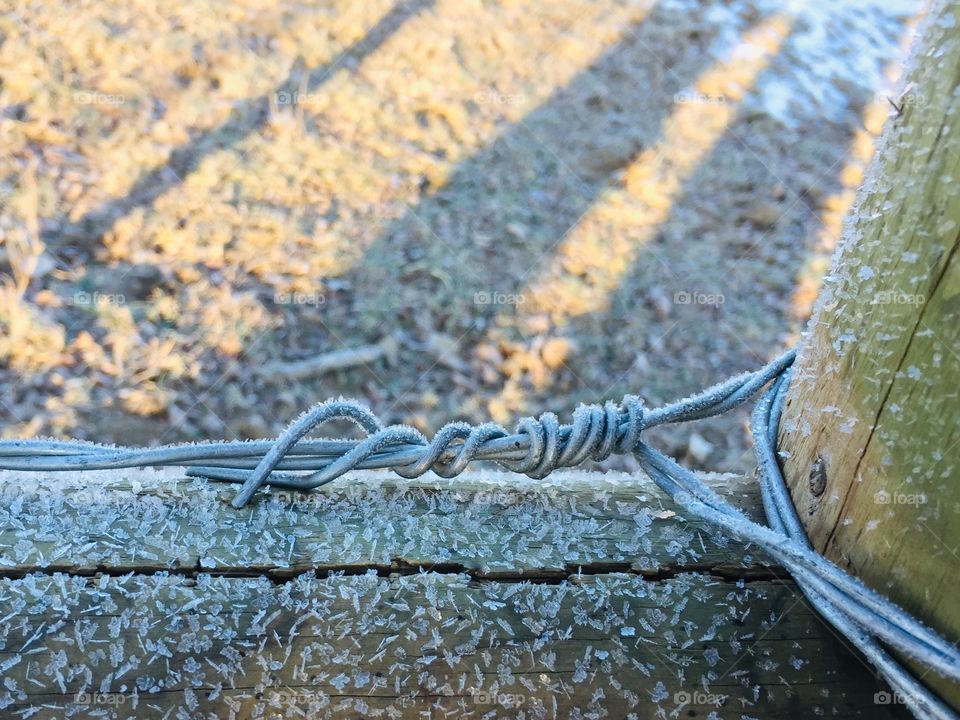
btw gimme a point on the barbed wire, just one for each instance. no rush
(537, 447)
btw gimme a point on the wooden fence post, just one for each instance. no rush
(871, 431)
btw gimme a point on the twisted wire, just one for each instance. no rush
(537, 447)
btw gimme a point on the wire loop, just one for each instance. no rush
(537, 447)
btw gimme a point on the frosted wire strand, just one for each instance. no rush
(765, 424)
(57, 455)
(537, 447)
(871, 610)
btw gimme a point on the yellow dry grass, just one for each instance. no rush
(193, 189)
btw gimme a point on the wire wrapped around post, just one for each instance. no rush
(537, 447)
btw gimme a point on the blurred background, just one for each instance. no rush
(214, 214)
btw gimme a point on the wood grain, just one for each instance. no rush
(872, 424)
(142, 594)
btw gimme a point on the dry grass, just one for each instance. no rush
(191, 190)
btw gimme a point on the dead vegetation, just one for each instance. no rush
(523, 199)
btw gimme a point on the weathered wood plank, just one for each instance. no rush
(435, 643)
(871, 428)
(490, 524)
(585, 595)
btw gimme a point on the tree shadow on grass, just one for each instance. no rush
(248, 117)
(474, 241)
